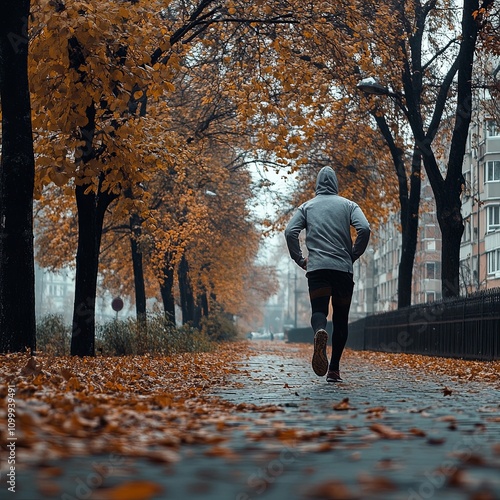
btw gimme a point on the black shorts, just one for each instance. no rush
(331, 283)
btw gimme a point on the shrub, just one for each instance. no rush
(115, 337)
(53, 336)
(219, 327)
(156, 336)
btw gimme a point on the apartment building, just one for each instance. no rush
(54, 293)
(480, 249)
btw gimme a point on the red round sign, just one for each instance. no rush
(117, 304)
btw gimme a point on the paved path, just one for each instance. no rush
(385, 433)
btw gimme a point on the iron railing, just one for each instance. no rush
(464, 327)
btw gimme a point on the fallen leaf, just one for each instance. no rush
(132, 490)
(343, 405)
(31, 367)
(436, 440)
(376, 409)
(417, 432)
(386, 432)
(330, 490)
(447, 391)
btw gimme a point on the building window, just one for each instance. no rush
(430, 270)
(430, 296)
(492, 129)
(467, 232)
(431, 245)
(493, 218)
(492, 173)
(494, 261)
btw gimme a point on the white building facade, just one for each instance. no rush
(480, 250)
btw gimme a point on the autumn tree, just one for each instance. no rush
(83, 59)
(17, 287)
(97, 138)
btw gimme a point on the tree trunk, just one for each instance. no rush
(186, 292)
(448, 191)
(409, 202)
(140, 289)
(451, 223)
(452, 228)
(91, 210)
(410, 234)
(204, 304)
(167, 291)
(17, 171)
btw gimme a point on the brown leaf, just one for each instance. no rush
(66, 374)
(31, 367)
(343, 405)
(457, 478)
(132, 490)
(74, 384)
(386, 432)
(221, 451)
(330, 490)
(376, 409)
(417, 432)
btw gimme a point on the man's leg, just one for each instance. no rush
(319, 295)
(341, 300)
(320, 292)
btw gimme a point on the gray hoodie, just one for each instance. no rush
(327, 219)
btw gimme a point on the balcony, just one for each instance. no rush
(492, 241)
(491, 190)
(489, 146)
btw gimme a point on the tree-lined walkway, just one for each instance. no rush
(398, 427)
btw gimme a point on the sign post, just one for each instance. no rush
(117, 305)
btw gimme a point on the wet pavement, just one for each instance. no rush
(386, 432)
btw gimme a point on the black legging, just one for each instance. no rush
(326, 284)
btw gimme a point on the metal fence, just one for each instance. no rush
(465, 327)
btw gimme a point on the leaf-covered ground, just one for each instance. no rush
(70, 405)
(254, 402)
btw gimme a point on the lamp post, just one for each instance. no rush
(370, 86)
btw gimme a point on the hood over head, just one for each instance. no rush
(326, 182)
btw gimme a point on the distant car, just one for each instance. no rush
(259, 335)
(266, 336)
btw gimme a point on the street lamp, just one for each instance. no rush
(371, 86)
